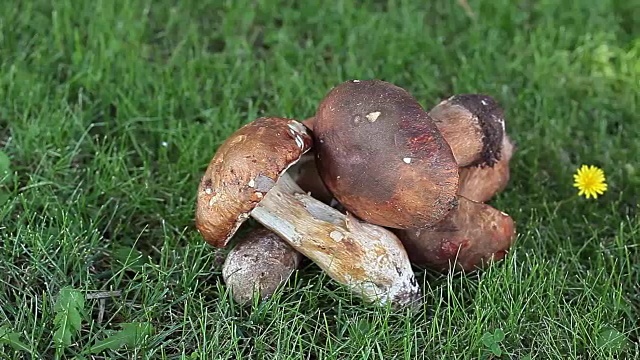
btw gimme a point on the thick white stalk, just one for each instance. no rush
(368, 259)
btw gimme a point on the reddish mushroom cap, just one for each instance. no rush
(382, 156)
(471, 236)
(245, 167)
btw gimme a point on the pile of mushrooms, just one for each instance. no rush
(368, 187)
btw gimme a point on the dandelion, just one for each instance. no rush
(590, 181)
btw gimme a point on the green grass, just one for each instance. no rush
(110, 112)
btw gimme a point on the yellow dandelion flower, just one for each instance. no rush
(590, 181)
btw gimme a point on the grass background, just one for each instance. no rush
(111, 110)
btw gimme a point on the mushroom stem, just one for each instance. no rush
(261, 262)
(367, 259)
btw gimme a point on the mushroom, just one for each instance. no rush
(473, 126)
(382, 156)
(469, 238)
(246, 177)
(260, 262)
(245, 167)
(482, 183)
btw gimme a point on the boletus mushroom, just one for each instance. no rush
(259, 263)
(382, 157)
(473, 126)
(480, 183)
(470, 237)
(244, 169)
(247, 177)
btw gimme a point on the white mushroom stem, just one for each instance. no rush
(367, 259)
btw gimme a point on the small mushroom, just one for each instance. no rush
(469, 238)
(473, 126)
(247, 177)
(382, 157)
(260, 262)
(482, 183)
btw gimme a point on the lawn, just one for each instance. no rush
(111, 111)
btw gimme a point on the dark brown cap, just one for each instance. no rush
(245, 167)
(473, 125)
(382, 156)
(470, 237)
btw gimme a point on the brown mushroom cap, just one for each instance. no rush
(473, 125)
(482, 183)
(470, 236)
(245, 167)
(260, 262)
(382, 156)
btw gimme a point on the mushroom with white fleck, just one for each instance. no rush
(382, 157)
